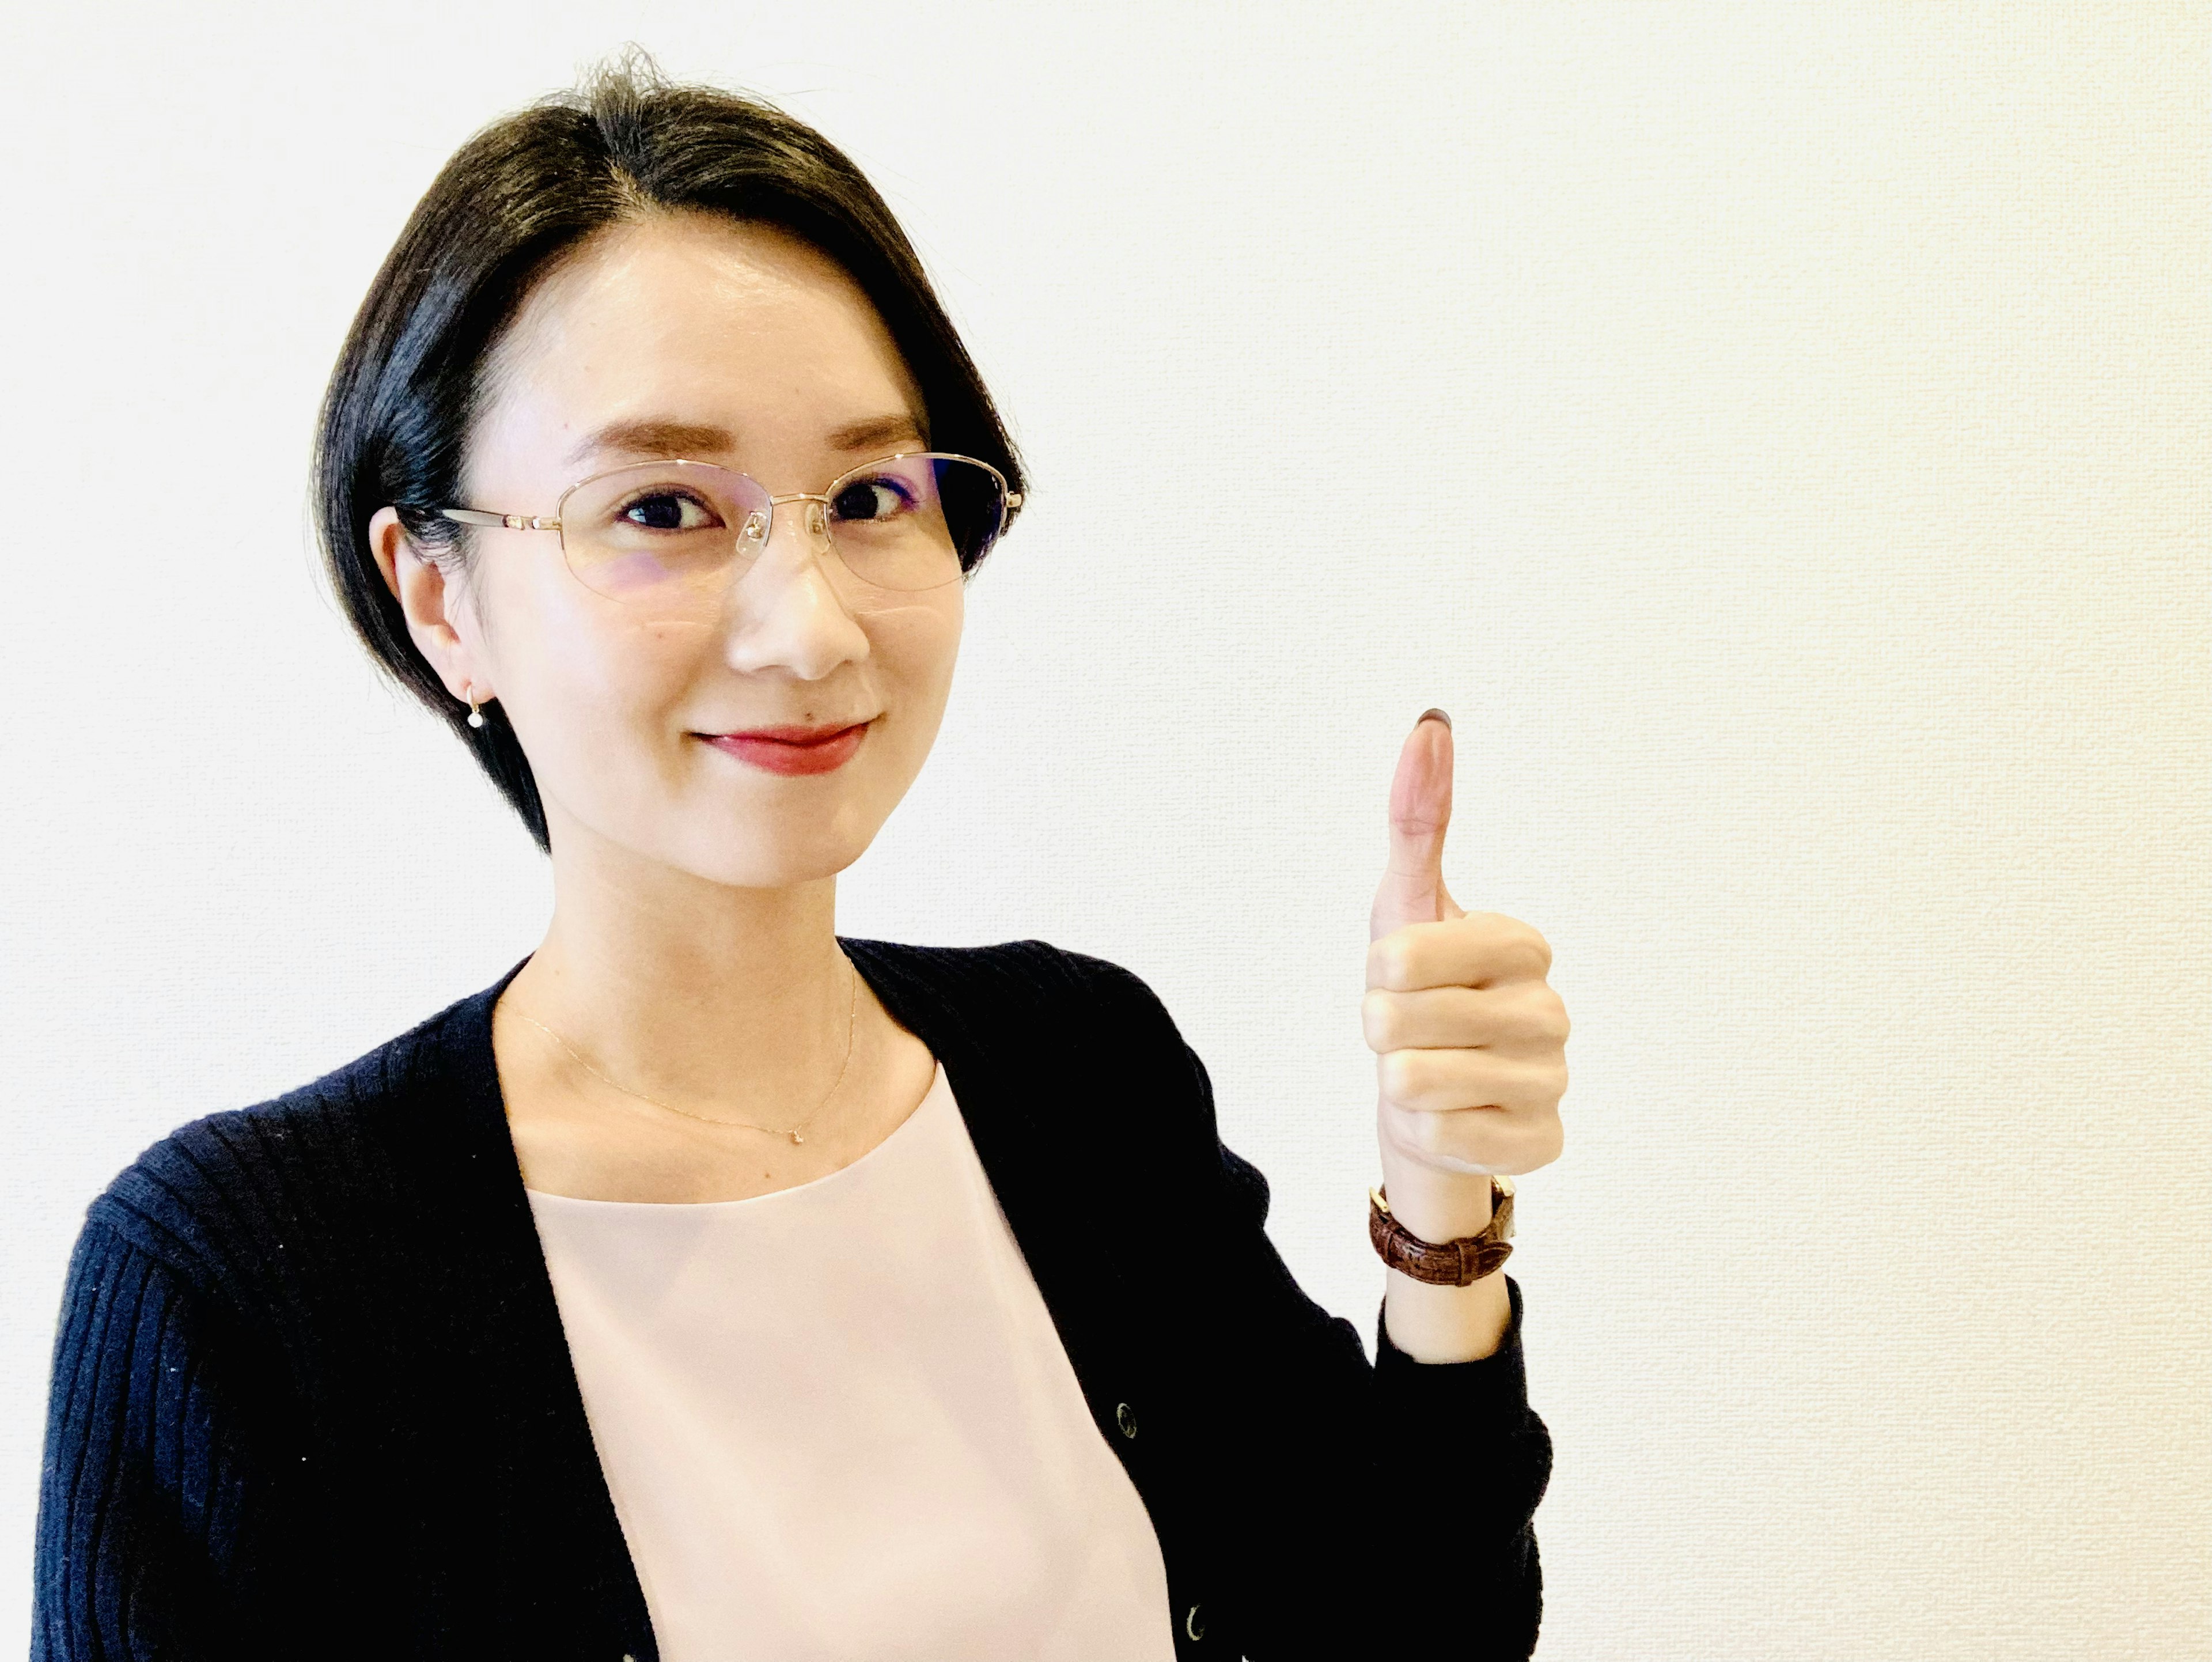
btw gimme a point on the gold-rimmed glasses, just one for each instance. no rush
(663, 533)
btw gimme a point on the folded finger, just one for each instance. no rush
(1481, 1140)
(1474, 951)
(1436, 1082)
(1524, 1017)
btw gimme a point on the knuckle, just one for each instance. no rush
(1400, 1072)
(1544, 1016)
(1541, 950)
(1378, 1020)
(1539, 1007)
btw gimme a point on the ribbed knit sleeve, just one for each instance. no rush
(142, 1499)
(1468, 1429)
(1387, 1506)
(1432, 1545)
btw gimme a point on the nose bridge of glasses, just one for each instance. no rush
(813, 535)
(815, 522)
(764, 518)
(815, 518)
(817, 560)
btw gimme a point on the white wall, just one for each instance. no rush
(1777, 434)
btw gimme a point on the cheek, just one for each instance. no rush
(914, 648)
(582, 681)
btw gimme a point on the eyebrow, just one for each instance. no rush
(865, 435)
(662, 436)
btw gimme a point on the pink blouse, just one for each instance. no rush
(837, 1421)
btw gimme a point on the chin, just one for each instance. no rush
(749, 857)
(744, 836)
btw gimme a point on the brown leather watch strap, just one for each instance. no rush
(1457, 1262)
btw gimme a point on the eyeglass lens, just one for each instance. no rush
(662, 532)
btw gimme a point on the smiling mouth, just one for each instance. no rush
(804, 751)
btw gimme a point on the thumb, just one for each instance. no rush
(1413, 888)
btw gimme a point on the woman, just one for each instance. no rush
(712, 1285)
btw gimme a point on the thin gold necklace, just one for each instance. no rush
(706, 1119)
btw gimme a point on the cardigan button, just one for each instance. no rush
(1126, 1417)
(1192, 1625)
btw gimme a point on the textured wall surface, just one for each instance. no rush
(1777, 434)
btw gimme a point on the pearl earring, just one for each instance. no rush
(476, 715)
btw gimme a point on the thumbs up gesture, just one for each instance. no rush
(1470, 1041)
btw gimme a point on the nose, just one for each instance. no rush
(784, 609)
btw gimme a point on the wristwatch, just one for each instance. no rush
(1457, 1262)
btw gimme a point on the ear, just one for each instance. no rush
(432, 606)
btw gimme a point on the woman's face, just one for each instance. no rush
(694, 336)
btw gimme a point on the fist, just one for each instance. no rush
(1469, 1040)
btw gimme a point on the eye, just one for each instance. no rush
(667, 510)
(882, 497)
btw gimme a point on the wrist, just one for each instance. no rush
(1429, 1321)
(1434, 1205)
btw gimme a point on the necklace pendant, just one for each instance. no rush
(795, 1137)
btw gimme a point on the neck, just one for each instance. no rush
(727, 1000)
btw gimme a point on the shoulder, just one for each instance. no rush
(1029, 968)
(1092, 1033)
(232, 1186)
(1030, 982)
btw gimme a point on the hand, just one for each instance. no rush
(1470, 1041)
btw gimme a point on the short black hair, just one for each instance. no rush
(509, 204)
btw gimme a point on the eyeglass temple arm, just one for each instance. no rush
(511, 521)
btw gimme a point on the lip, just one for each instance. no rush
(792, 750)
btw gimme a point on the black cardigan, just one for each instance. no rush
(311, 1396)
